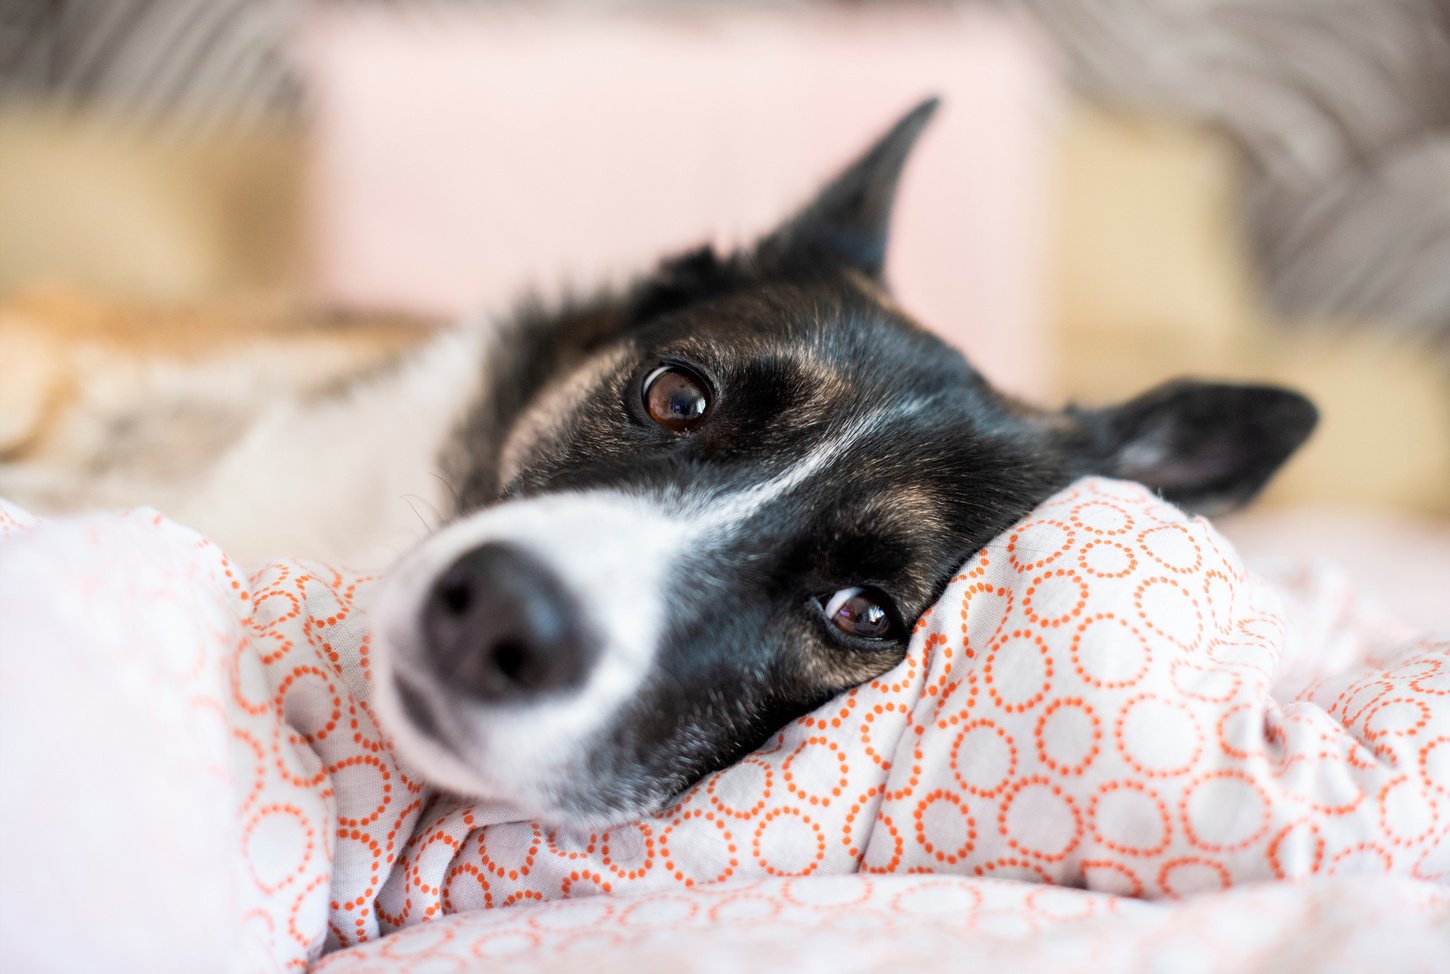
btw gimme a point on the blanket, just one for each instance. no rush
(850, 923)
(1103, 698)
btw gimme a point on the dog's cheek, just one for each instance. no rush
(854, 667)
(814, 668)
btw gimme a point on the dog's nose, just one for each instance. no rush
(499, 626)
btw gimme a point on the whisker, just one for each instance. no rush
(410, 498)
(457, 501)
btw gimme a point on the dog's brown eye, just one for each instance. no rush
(860, 612)
(676, 398)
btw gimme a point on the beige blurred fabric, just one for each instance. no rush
(92, 200)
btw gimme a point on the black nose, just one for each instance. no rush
(499, 626)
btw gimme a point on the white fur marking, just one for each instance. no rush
(719, 517)
(613, 552)
(516, 751)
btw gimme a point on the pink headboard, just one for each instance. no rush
(463, 159)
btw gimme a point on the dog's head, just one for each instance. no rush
(691, 512)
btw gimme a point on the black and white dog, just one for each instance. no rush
(692, 512)
(672, 518)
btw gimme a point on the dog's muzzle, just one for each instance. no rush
(508, 643)
(499, 627)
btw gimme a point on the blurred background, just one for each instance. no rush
(1113, 194)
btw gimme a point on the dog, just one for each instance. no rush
(670, 517)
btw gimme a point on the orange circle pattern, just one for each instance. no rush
(1048, 725)
(1125, 709)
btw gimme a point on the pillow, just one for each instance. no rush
(1103, 698)
(1092, 702)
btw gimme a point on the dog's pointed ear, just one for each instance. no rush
(1205, 446)
(847, 225)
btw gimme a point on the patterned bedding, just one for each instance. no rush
(1104, 699)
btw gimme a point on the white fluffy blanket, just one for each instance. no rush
(1103, 699)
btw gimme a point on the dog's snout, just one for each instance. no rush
(499, 626)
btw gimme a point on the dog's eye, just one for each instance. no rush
(676, 398)
(861, 612)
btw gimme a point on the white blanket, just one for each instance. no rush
(1104, 698)
(845, 924)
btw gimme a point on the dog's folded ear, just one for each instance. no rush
(1205, 446)
(848, 223)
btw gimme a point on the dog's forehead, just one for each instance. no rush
(834, 415)
(842, 402)
(837, 330)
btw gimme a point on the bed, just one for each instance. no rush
(1111, 746)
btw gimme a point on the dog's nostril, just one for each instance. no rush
(512, 660)
(499, 626)
(455, 595)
